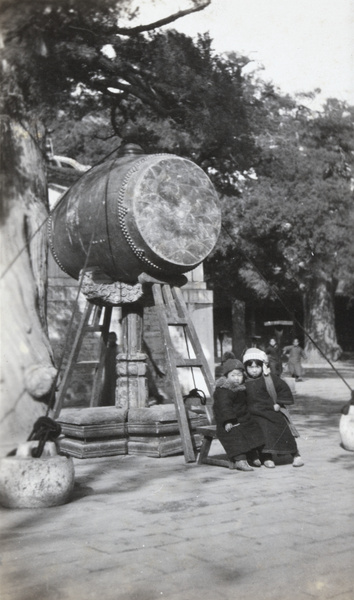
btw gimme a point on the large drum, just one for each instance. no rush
(157, 214)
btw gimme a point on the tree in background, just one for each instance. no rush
(294, 221)
(161, 90)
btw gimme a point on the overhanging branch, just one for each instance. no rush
(161, 22)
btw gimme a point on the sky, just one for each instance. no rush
(302, 44)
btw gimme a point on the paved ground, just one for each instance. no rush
(142, 528)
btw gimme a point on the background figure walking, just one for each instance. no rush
(295, 353)
(274, 354)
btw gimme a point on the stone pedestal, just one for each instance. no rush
(109, 431)
(155, 432)
(132, 388)
(93, 432)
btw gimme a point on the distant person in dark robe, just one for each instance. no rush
(295, 353)
(274, 354)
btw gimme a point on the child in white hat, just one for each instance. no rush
(267, 396)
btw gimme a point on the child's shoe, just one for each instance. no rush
(298, 462)
(253, 459)
(270, 464)
(242, 465)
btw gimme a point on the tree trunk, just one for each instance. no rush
(319, 318)
(238, 328)
(26, 358)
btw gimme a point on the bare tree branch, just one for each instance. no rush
(130, 31)
(149, 27)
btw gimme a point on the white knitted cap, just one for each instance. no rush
(255, 354)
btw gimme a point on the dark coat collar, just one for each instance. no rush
(224, 382)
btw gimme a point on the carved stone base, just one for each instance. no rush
(159, 446)
(93, 432)
(155, 432)
(92, 448)
(93, 423)
(102, 290)
(131, 390)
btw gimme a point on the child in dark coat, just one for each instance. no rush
(238, 432)
(267, 410)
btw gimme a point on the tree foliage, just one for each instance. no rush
(160, 89)
(293, 222)
(300, 208)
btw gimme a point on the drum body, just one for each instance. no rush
(157, 214)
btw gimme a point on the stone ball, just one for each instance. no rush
(39, 380)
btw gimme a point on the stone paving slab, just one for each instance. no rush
(142, 528)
